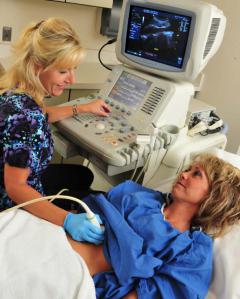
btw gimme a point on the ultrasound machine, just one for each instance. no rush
(163, 46)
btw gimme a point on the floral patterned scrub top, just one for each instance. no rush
(25, 139)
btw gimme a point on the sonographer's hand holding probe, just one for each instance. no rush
(81, 227)
(84, 227)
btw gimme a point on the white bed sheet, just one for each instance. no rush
(37, 261)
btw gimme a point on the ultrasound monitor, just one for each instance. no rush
(158, 35)
(170, 38)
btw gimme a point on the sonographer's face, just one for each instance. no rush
(55, 80)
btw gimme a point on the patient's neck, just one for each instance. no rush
(180, 215)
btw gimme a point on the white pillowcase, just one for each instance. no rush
(226, 275)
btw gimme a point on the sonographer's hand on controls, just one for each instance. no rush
(98, 107)
(81, 229)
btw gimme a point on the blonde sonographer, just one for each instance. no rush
(46, 56)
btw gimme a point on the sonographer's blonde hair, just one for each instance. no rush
(50, 43)
(221, 208)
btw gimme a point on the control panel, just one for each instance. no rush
(110, 137)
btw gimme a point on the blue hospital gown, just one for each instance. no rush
(145, 251)
(25, 139)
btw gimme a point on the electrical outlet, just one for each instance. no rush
(6, 34)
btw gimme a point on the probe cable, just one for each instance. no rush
(90, 214)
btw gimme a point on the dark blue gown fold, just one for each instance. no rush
(146, 253)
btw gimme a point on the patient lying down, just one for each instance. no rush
(156, 245)
(160, 245)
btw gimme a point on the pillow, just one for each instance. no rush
(234, 159)
(226, 273)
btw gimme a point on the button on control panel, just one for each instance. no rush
(100, 126)
(113, 130)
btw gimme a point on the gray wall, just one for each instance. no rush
(222, 78)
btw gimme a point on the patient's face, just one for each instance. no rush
(192, 186)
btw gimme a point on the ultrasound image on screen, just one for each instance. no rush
(130, 90)
(157, 35)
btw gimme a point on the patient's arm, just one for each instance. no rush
(92, 255)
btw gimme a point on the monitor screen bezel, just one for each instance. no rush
(146, 63)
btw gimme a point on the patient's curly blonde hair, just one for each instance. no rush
(49, 43)
(221, 208)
